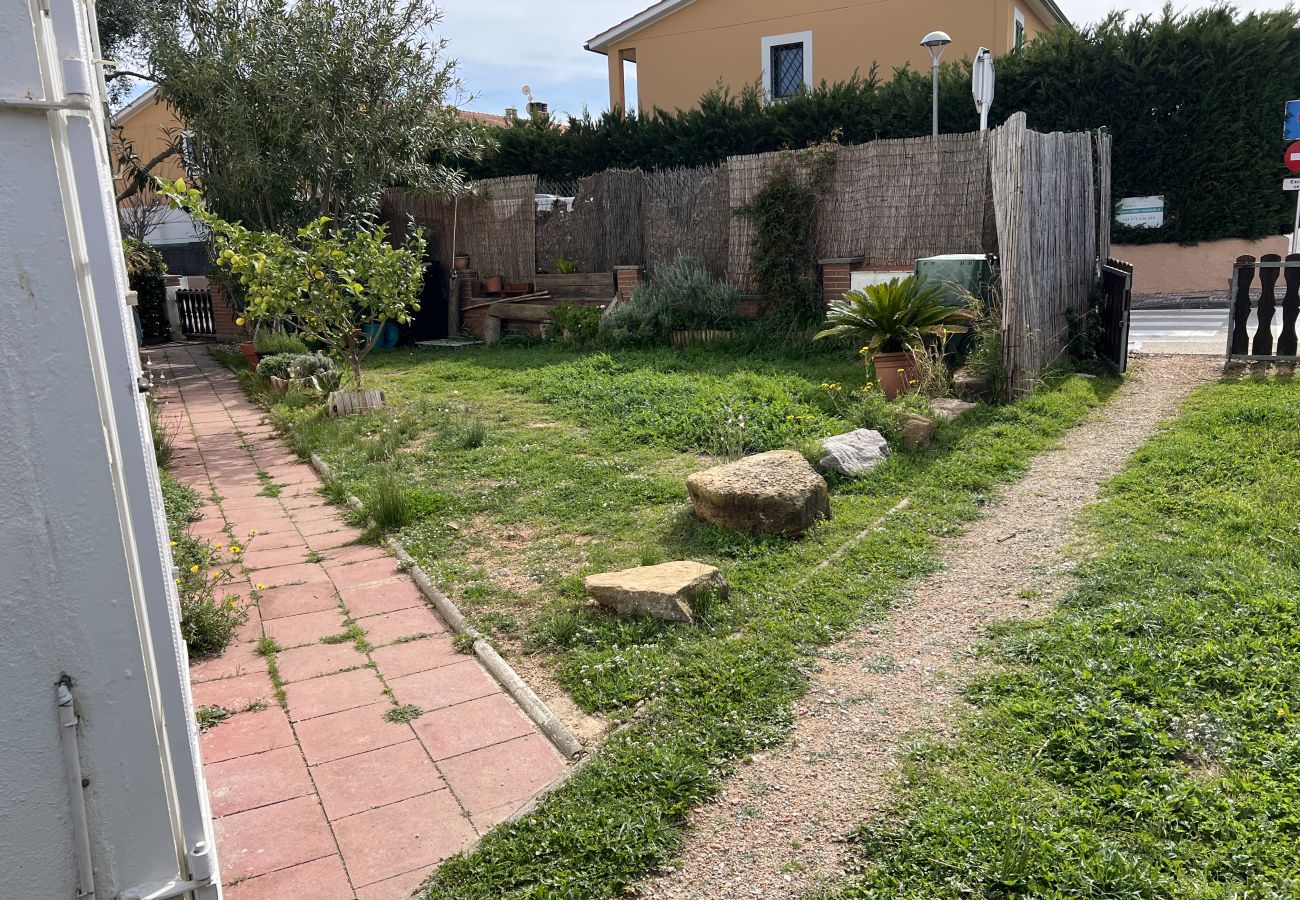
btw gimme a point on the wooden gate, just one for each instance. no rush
(1117, 284)
(1259, 346)
(196, 313)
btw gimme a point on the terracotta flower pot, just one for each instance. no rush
(249, 349)
(895, 372)
(460, 262)
(494, 284)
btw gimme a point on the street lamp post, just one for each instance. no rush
(935, 41)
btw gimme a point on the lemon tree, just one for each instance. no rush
(328, 281)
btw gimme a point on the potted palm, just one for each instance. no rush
(894, 320)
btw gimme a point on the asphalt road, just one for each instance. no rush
(1199, 331)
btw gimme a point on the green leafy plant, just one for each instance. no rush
(577, 325)
(784, 215)
(564, 266)
(147, 276)
(276, 366)
(329, 281)
(898, 315)
(274, 341)
(408, 712)
(682, 295)
(388, 503)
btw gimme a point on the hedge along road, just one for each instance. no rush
(780, 826)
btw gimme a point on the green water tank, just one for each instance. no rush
(958, 273)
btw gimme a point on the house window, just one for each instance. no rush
(1018, 34)
(786, 64)
(188, 154)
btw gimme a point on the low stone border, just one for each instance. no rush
(555, 730)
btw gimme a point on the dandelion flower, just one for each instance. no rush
(235, 548)
(260, 586)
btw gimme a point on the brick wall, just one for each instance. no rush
(626, 279)
(836, 278)
(224, 315)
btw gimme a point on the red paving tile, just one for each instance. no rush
(321, 879)
(302, 573)
(333, 693)
(397, 838)
(281, 556)
(377, 778)
(398, 888)
(315, 660)
(502, 774)
(294, 631)
(388, 627)
(361, 573)
(397, 660)
(394, 818)
(349, 732)
(273, 837)
(234, 693)
(445, 686)
(387, 596)
(245, 734)
(248, 782)
(239, 659)
(471, 726)
(297, 599)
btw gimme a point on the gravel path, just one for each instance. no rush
(778, 828)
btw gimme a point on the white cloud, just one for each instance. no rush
(504, 44)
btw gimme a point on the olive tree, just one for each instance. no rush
(329, 282)
(297, 110)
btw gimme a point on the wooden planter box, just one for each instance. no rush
(343, 403)
(699, 336)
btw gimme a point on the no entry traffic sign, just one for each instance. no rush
(1292, 157)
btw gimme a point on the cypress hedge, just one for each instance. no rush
(147, 276)
(1194, 102)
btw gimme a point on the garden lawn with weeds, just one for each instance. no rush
(1144, 741)
(521, 471)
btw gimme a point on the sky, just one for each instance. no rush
(502, 45)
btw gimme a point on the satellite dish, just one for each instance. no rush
(528, 93)
(982, 79)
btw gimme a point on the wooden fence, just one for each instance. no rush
(1044, 189)
(1243, 346)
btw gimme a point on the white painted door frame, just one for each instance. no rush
(73, 103)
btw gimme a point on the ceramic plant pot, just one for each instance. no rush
(895, 372)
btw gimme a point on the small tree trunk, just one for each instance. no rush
(354, 359)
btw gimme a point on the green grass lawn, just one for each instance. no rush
(1145, 741)
(530, 468)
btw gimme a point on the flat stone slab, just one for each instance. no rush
(854, 453)
(770, 493)
(917, 430)
(448, 344)
(950, 410)
(668, 591)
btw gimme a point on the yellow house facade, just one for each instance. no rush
(684, 48)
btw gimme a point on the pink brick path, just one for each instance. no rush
(327, 799)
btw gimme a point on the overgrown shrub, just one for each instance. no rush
(147, 276)
(576, 325)
(277, 365)
(270, 341)
(682, 295)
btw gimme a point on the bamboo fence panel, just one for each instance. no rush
(1105, 203)
(686, 213)
(1045, 200)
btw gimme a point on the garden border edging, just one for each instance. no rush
(555, 730)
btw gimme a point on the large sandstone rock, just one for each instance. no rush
(917, 430)
(771, 493)
(950, 410)
(970, 385)
(854, 453)
(668, 591)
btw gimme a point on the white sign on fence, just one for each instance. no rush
(1291, 184)
(1141, 212)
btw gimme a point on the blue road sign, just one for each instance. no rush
(1291, 130)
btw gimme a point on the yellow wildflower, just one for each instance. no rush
(260, 586)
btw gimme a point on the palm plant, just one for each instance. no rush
(895, 316)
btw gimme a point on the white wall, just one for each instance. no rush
(70, 587)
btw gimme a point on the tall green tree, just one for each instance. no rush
(297, 110)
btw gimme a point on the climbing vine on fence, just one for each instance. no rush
(784, 214)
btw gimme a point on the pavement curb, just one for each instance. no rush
(556, 731)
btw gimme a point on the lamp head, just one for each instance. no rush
(936, 40)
